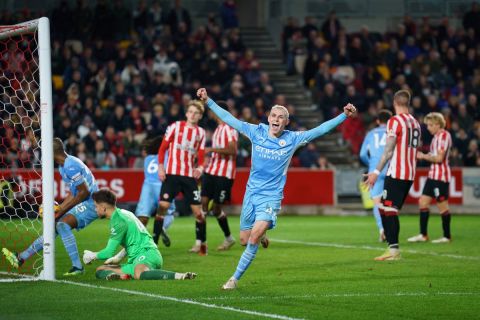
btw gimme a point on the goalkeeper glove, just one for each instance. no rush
(116, 258)
(56, 207)
(89, 256)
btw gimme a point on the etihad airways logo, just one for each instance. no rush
(270, 153)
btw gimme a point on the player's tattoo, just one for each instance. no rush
(387, 153)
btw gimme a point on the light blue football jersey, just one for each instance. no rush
(150, 168)
(373, 146)
(74, 172)
(270, 155)
(150, 194)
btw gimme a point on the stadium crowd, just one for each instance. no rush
(121, 76)
(437, 62)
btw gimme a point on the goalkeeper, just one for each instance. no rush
(144, 259)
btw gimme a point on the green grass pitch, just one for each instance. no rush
(315, 268)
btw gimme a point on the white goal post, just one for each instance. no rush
(41, 107)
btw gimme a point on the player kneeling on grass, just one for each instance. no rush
(144, 259)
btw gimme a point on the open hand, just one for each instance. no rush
(371, 178)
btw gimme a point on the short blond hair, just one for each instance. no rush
(197, 104)
(402, 97)
(436, 117)
(285, 110)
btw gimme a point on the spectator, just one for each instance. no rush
(131, 147)
(102, 18)
(353, 132)
(297, 53)
(471, 19)
(465, 120)
(156, 16)
(472, 106)
(288, 30)
(329, 100)
(158, 122)
(228, 12)
(61, 20)
(324, 164)
(331, 28)
(472, 157)
(177, 15)
(455, 158)
(119, 120)
(121, 20)
(104, 159)
(81, 20)
(308, 156)
(140, 17)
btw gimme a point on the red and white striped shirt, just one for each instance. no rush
(406, 129)
(441, 171)
(220, 164)
(184, 145)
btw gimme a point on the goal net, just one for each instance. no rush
(26, 163)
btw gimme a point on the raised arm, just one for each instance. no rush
(223, 114)
(324, 127)
(327, 126)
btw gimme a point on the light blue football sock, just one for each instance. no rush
(169, 217)
(68, 239)
(245, 260)
(35, 247)
(378, 219)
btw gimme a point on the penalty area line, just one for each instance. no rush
(186, 301)
(349, 246)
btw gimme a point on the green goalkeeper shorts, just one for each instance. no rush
(150, 257)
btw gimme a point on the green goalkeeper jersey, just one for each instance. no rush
(126, 230)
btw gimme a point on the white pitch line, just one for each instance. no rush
(305, 296)
(18, 280)
(348, 246)
(347, 295)
(187, 301)
(23, 277)
(19, 276)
